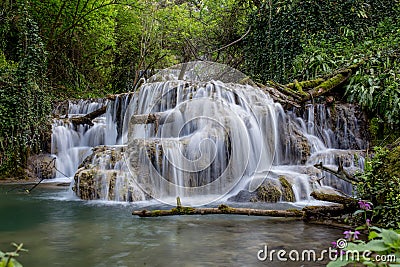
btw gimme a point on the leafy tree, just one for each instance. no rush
(23, 101)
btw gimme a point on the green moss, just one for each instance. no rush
(156, 213)
(182, 210)
(382, 133)
(287, 194)
(269, 193)
(225, 208)
(305, 84)
(331, 83)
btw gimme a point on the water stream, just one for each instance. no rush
(60, 231)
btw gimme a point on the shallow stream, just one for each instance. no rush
(60, 230)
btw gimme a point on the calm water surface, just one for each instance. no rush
(61, 231)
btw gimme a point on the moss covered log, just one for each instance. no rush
(222, 209)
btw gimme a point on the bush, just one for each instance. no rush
(380, 184)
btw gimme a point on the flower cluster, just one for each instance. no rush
(351, 236)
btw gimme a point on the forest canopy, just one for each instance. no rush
(58, 49)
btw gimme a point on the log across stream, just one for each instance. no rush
(342, 205)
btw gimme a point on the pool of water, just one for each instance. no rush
(59, 230)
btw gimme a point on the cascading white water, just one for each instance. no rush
(206, 138)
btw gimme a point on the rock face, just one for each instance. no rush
(41, 166)
(103, 175)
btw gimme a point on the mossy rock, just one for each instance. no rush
(269, 192)
(287, 190)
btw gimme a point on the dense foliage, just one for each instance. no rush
(375, 84)
(24, 104)
(306, 39)
(380, 185)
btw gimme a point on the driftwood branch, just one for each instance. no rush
(87, 119)
(341, 173)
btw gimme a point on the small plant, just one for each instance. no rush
(381, 249)
(7, 259)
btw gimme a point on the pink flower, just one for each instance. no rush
(347, 234)
(364, 205)
(355, 234)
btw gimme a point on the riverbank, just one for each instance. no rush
(19, 181)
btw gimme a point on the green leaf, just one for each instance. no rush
(338, 263)
(372, 235)
(375, 245)
(358, 212)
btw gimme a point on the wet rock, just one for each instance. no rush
(103, 175)
(244, 196)
(269, 192)
(95, 184)
(41, 166)
(287, 190)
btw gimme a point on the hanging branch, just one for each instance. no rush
(230, 44)
(341, 173)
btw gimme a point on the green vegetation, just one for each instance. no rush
(304, 40)
(381, 249)
(380, 185)
(7, 259)
(24, 103)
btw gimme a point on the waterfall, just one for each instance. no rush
(198, 131)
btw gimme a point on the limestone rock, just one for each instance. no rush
(41, 166)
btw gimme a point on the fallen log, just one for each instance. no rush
(222, 209)
(87, 119)
(299, 92)
(317, 212)
(115, 96)
(328, 85)
(347, 202)
(280, 97)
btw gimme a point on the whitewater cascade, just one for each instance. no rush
(201, 130)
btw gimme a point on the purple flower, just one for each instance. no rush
(355, 234)
(368, 222)
(347, 234)
(364, 205)
(334, 244)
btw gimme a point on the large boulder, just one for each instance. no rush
(271, 190)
